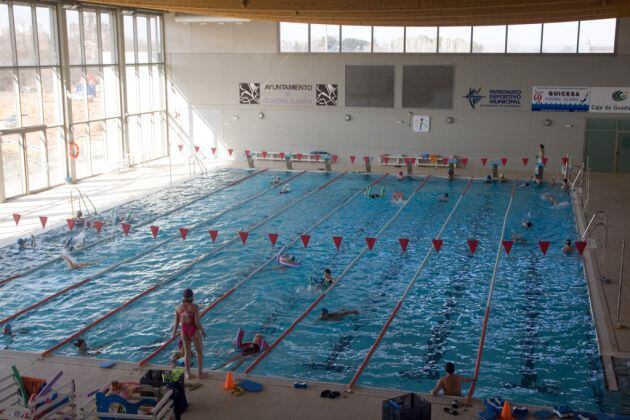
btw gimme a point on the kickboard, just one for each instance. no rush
(250, 386)
(107, 364)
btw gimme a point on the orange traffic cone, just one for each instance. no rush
(506, 413)
(229, 381)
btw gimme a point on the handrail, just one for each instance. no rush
(82, 197)
(394, 312)
(576, 178)
(591, 225)
(623, 249)
(225, 295)
(484, 325)
(335, 282)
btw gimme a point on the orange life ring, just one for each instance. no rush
(73, 150)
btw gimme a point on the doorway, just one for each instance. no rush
(607, 145)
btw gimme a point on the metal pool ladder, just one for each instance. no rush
(81, 199)
(594, 223)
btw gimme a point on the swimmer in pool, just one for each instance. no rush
(517, 237)
(400, 176)
(246, 350)
(371, 194)
(550, 198)
(527, 224)
(565, 184)
(74, 264)
(568, 247)
(285, 189)
(327, 279)
(288, 259)
(443, 198)
(450, 173)
(275, 180)
(336, 316)
(451, 384)
(488, 179)
(398, 196)
(24, 243)
(502, 179)
(525, 184)
(187, 314)
(7, 330)
(83, 348)
(79, 220)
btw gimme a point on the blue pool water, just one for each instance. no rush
(540, 348)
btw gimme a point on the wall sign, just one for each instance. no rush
(421, 123)
(320, 94)
(610, 99)
(494, 98)
(560, 98)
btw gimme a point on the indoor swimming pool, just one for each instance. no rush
(540, 349)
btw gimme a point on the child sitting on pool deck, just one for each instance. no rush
(451, 384)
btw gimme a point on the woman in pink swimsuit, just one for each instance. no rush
(187, 314)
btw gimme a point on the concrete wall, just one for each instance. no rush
(205, 63)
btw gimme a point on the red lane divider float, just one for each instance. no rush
(273, 237)
(404, 242)
(337, 241)
(305, 239)
(213, 234)
(154, 231)
(43, 220)
(184, 232)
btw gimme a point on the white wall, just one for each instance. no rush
(205, 63)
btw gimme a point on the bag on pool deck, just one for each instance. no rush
(180, 403)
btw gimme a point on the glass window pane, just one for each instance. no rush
(97, 147)
(324, 38)
(597, 36)
(74, 36)
(135, 139)
(77, 86)
(560, 37)
(46, 36)
(389, 38)
(36, 160)
(454, 39)
(24, 36)
(108, 40)
(12, 164)
(132, 90)
(356, 38)
(51, 90)
(114, 143)
(94, 92)
(421, 39)
(489, 39)
(82, 162)
(56, 163)
(8, 100)
(90, 37)
(145, 88)
(30, 104)
(524, 38)
(110, 88)
(158, 88)
(6, 54)
(147, 137)
(155, 44)
(130, 55)
(143, 44)
(293, 37)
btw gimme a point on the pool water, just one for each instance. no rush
(540, 348)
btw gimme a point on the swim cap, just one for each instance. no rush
(327, 271)
(324, 311)
(188, 295)
(21, 241)
(528, 224)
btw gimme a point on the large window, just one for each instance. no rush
(595, 36)
(145, 88)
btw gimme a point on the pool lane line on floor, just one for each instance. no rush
(425, 260)
(96, 242)
(188, 266)
(336, 281)
(141, 254)
(260, 268)
(484, 325)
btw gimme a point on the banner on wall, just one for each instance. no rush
(494, 98)
(319, 94)
(610, 99)
(560, 98)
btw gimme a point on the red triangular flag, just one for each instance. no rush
(180, 146)
(125, 227)
(406, 161)
(412, 160)
(370, 242)
(196, 149)
(544, 246)
(334, 158)
(366, 159)
(16, 217)
(437, 244)
(273, 237)
(317, 156)
(154, 230)
(386, 159)
(98, 225)
(214, 150)
(264, 154)
(305, 239)
(503, 161)
(243, 234)
(352, 158)
(70, 223)
(565, 160)
(246, 152)
(472, 245)
(299, 156)
(445, 160)
(544, 161)
(337, 240)
(282, 155)
(580, 245)
(484, 161)
(464, 161)
(403, 243)
(525, 160)
(183, 231)
(213, 234)
(230, 151)
(507, 245)
(43, 220)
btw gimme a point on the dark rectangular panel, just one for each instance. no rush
(370, 86)
(428, 87)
